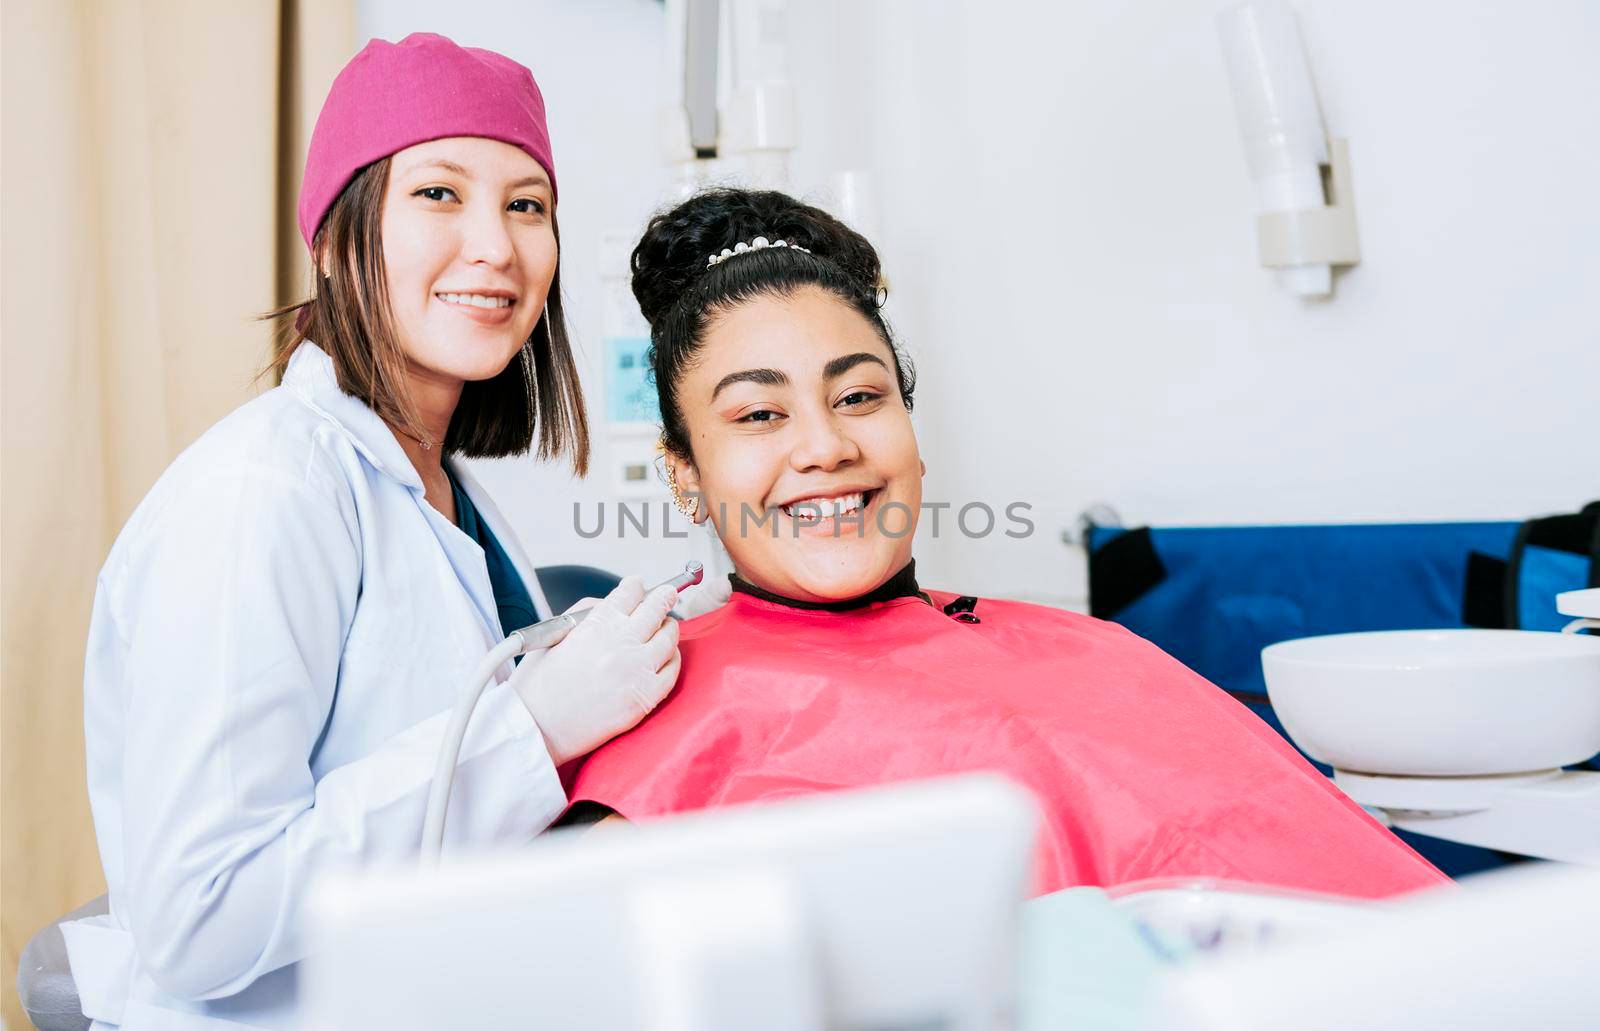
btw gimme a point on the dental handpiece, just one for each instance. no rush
(542, 634)
(548, 632)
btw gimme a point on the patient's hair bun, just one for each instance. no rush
(672, 257)
(681, 293)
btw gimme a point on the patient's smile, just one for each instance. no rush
(815, 511)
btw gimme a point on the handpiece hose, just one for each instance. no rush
(544, 634)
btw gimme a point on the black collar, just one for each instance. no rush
(901, 585)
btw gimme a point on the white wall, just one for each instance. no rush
(1067, 224)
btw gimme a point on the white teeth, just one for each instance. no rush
(477, 300)
(812, 510)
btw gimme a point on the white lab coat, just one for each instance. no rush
(277, 635)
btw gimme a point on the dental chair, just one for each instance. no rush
(1213, 597)
(44, 977)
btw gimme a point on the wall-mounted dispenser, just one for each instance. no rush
(1306, 222)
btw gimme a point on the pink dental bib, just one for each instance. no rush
(1142, 768)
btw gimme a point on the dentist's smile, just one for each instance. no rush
(488, 309)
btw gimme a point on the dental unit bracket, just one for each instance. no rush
(1549, 814)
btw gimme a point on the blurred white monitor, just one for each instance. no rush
(1511, 949)
(890, 908)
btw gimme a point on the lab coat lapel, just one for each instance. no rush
(310, 374)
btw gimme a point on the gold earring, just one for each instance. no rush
(690, 509)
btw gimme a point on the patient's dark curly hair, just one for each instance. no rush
(681, 297)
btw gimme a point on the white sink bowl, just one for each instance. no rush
(1439, 703)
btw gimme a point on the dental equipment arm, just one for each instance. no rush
(534, 637)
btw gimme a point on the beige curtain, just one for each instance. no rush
(151, 156)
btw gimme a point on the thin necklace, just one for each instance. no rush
(425, 445)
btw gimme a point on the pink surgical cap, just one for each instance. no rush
(395, 95)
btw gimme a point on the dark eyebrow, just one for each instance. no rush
(773, 378)
(840, 366)
(538, 179)
(765, 377)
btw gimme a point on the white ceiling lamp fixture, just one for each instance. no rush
(1306, 222)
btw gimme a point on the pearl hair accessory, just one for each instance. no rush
(759, 243)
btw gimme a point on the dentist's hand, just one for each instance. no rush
(607, 674)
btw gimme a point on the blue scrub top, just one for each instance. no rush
(511, 598)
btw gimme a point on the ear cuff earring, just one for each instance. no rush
(689, 507)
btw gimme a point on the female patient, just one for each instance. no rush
(785, 410)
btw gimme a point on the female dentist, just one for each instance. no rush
(279, 629)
